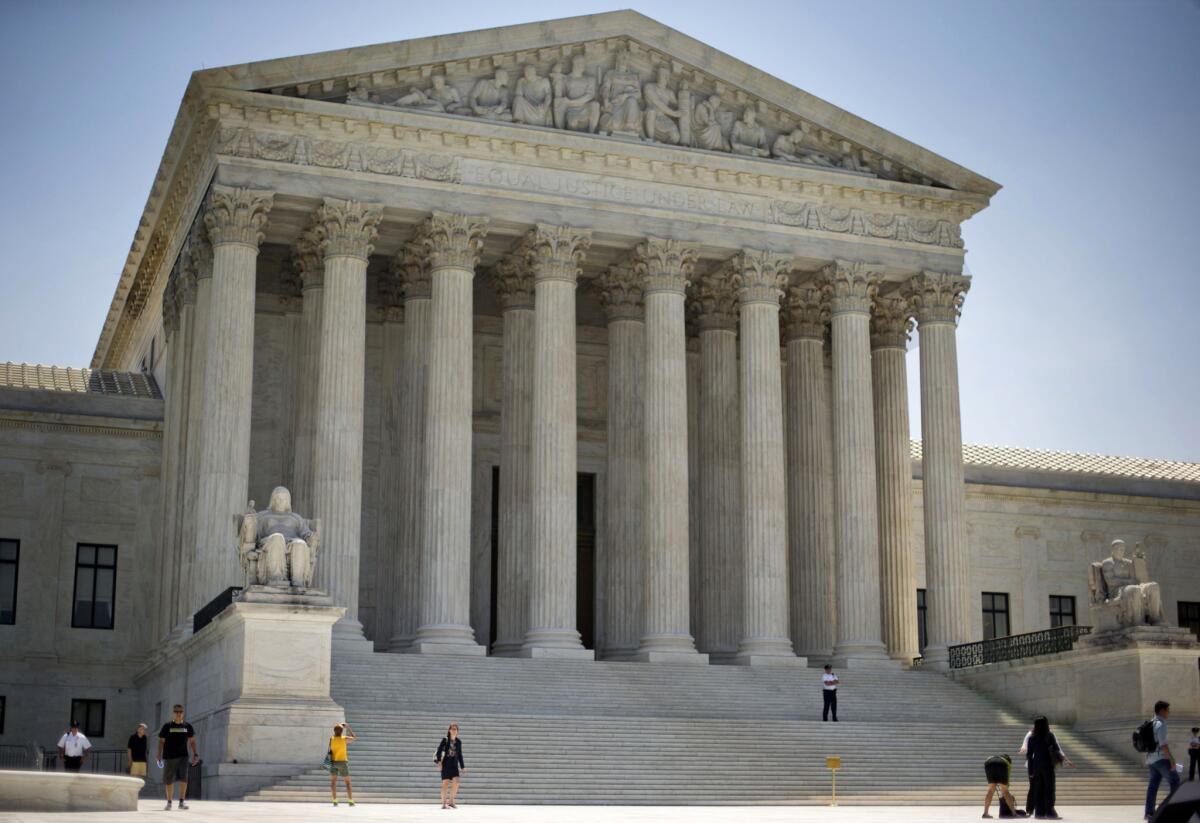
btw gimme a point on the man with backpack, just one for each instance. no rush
(1151, 737)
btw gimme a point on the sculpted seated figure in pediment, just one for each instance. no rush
(533, 99)
(1122, 592)
(489, 97)
(706, 125)
(748, 137)
(789, 146)
(575, 104)
(276, 546)
(621, 99)
(662, 109)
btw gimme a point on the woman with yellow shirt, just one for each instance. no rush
(339, 766)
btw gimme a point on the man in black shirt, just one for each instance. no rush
(173, 741)
(135, 750)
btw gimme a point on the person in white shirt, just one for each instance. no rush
(829, 686)
(1194, 753)
(73, 748)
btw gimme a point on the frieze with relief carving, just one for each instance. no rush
(616, 88)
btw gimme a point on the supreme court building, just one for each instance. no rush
(581, 339)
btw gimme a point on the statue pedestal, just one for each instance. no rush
(255, 682)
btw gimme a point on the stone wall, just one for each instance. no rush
(77, 468)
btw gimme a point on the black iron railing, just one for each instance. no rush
(99, 761)
(214, 607)
(1016, 646)
(20, 758)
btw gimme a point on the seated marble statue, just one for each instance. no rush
(1122, 593)
(489, 97)
(277, 546)
(706, 125)
(575, 105)
(662, 108)
(533, 99)
(440, 97)
(747, 137)
(621, 99)
(790, 146)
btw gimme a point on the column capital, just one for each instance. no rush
(348, 228)
(513, 280)
(306, 259)
(170, 300)
(411, 266)
(760, 275)
(665, 265)
(891, 322)
(621, 292)
(937, 297)
(453, 241)
(234, 215)
(851, 285)
(715, 300)
(806, 313)
(555, 252)
(197, 253)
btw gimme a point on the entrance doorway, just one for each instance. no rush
(585, 557)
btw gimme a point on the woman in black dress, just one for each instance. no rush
(450, 757)
(1043, 759)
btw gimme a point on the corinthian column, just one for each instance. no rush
(177, 332)
(514, 285)
(890, 325)
(453, 242)
(390, 294)
(720, 515)
(809, 475)
(412, 268)
(761, 276)
(936, 299)
(310, 268)
(347, 230)
(554, 254)
(666, 266)
(235, 219)
(621, 295)
(856, 525)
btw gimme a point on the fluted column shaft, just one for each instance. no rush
(514, 284)
(937, 299)
(720, 470)
(624, 513)
(764, 527)
(453, 242)
(310, 266)
(414, 354)
(234, 218)
(856, 522)
(391, 480)
(666, 631)
(192, 440)
(809, 477)
(177, 322)
(347, 231)
(554, 254)
(897, 566)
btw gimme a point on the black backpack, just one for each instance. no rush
(1144, 740)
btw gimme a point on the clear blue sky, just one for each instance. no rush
(1080, 332)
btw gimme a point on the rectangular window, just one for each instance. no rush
(89, 714)
(95, 586)
(995, 615)
(10, 554)
(1189, 616)
(922, 612)
(1062, 610)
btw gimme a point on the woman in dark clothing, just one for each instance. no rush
(450, 757)
(1043, 759)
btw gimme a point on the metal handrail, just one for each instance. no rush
(1016, 646)
(19, 758)
(99, 761)
(212, 608)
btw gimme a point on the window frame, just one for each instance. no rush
(84, 717)
(1182, 606)
(94, 566)
(1061, 599)
(994, 612)
(16, 564)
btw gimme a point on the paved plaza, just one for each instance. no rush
(233, 812)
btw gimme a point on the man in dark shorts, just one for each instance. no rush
(174, 739)
(998, 770)
(74, 748)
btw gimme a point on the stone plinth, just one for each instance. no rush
(67, 792)
(255, 682)
(1106, 686)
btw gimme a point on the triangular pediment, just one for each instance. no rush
(618, 75)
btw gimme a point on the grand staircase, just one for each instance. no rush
(562, 732)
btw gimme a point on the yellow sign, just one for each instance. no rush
(834, 763)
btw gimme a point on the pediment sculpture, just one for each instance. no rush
(276, 546)
(1122, 593)
(622, 90)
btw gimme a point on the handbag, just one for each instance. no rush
(327, 763)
